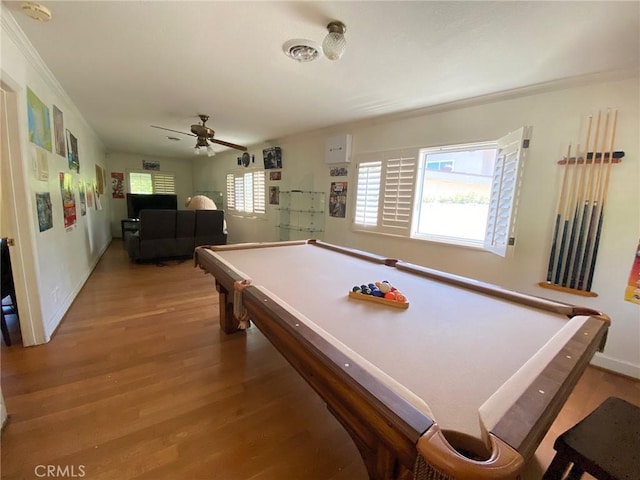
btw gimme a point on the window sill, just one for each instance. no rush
(466, 246)
(248, 216)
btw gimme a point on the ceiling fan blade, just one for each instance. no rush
(175, 131)
(227, 144)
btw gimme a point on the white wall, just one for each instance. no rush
(125, 162)
(558, 118)
(62, 260)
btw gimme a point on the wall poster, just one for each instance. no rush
(632, 292)
(41, 164)
(39, 123)
(117, 185)
(68, 200)
(45, 216)
(83, 200)
(72, 152)
(150, 165)
(274, 195)
(99, 180)
(90, 195)
(338, 200)
(58, 132)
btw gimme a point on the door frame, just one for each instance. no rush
(23, 253)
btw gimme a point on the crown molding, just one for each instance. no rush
(520, 92)
(13, 31)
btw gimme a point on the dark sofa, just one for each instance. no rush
(174, 233)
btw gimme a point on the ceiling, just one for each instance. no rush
(128, 65)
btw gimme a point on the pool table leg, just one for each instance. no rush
(380, 462)
(228, 322)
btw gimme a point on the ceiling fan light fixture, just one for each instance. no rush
(334, 43)
(302, 50)
(210, 152)
(203, 135)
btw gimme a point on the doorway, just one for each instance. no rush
(14, 194)
(11, 334)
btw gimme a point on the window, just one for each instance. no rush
(454, 191)
(145, 182)
(463, 194)
(246, 192)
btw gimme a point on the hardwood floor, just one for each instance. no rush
(139, 382)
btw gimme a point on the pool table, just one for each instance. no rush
(464, 383)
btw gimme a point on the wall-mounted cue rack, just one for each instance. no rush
(580, 208)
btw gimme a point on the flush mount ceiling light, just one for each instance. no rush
(302, 50)
(36, 11)
(334, 43)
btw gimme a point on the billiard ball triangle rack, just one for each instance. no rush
(580, 209)
(382, 293)
(379, 300)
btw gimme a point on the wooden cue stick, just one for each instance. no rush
(585, 208)
(576, 213)
(565, 229)
(602, 203)
(559, 210)
(594, 206)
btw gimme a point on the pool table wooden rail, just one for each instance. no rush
(387, 429)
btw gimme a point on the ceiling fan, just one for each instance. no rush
(204, 135)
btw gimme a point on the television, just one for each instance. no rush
(157, 201)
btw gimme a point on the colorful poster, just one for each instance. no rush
(39, 123)
(99, 180)
(117, 185)
(58, 131)
(632, 292)
(338, 199)
(68, 200)
(72, 152)
(45, 216)
(83, 201)
(90, 196)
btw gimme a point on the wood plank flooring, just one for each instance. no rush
(139, 382)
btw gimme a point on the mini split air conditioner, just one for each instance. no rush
(338, 149)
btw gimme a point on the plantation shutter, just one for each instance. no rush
(231, 192)
(505, 189)
(164, 183)
(248, 192)
(259, 202)
(368, 193)
(397, 200)
(239, 192)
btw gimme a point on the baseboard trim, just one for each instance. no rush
(621, 367)
(55, 320)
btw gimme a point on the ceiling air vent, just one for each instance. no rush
(302, 50)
